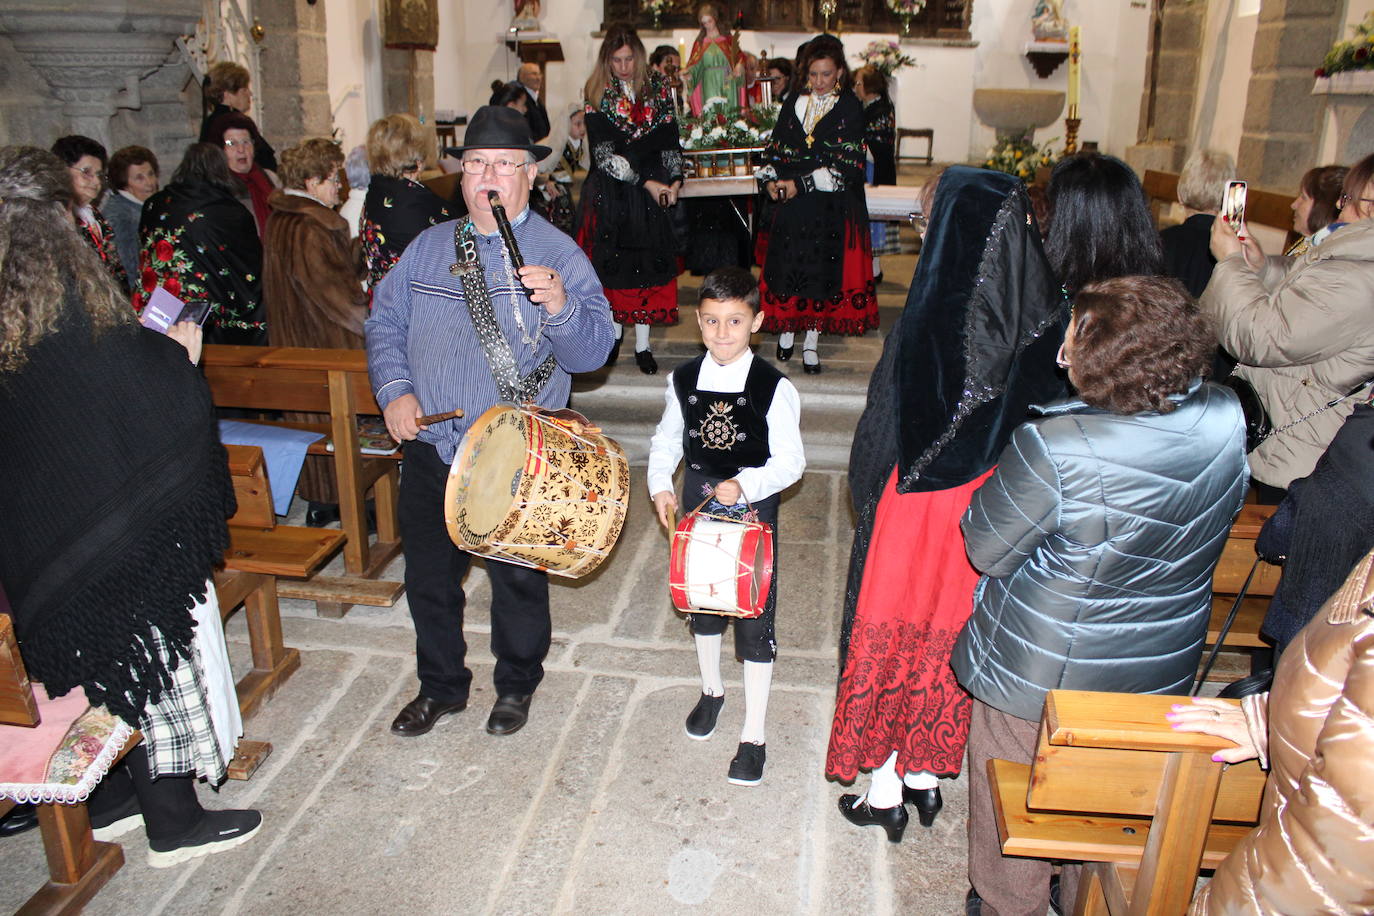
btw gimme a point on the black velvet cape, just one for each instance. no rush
(114, 505)
(971, 352)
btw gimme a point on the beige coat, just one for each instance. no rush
(1313, 851)
(1303, 330)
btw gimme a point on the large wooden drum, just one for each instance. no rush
(537, 488)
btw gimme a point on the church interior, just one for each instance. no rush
(600, 805)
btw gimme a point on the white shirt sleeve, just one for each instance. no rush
(823, 179)
(665, 448)
(786, 460)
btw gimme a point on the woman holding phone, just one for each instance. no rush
(815, 249)
(1300, 329)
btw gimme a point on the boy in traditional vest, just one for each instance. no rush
(735, 419)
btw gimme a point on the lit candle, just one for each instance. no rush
(682, 50)
(1073, 72)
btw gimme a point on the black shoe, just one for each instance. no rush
(216, 832)
(701, 721)
(646, 362)
(784, 353)
(1055, 904)
(973, 904)
(893, 819)
(321, 514)
(877, 278)
(21, 818)
(615, 352)
(811, 368)
(747, 767)
(420, 715)
(927, 801)
(509, 714)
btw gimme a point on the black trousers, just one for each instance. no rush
(520, 625)
(755, 640)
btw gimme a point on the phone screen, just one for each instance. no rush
(1233, 203)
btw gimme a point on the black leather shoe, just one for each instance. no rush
(784, 353)
(701, 721)
(927, 801)
(646, 362)
(19, 819)
(420, 715)
(973, 904)
(615, 352)
(893, 819)
(811, 368)
(510, 714)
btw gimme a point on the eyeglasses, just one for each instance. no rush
(1346, 198)
(503, 167)
(234, 143)
(97, 174)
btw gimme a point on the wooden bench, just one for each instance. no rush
(1266, 208)
(78, 865)
(1113, 786)
(925, 133)
(1237, 559)
(332, 382)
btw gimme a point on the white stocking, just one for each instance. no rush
(641, 337)
(758, 676)
(708, 660)
(921, 779)
(786, 339)
(812, 340)
(619, 329)
(885, 791)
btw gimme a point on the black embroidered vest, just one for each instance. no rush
(723, 432)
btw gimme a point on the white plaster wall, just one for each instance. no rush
(1114, 36)
(1224, 75)
(354, 67)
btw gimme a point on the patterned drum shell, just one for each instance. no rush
(537, 488)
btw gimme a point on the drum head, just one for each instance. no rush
(486, 473)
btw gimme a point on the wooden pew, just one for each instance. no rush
(1237, 559)
(78, 865)
(1113, 786)
(1266, 208)
(332, 382)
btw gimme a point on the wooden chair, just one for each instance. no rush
(926, 133)
(331, 382)
(78, 865)
(1113, 786)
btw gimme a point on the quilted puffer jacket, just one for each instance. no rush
(1313, 851)
(1097, 536)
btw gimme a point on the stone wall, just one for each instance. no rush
(295, 72)
(1171, 83)
(1283, 120)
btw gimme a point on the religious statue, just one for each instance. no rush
(714, 69)
(526, 16)
(1047, 21)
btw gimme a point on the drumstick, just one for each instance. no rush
(438, 417)
(672, 521)
(663, 198)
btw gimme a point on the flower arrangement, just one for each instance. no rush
(725, 126)
(1020, 156)
(906, 7)
(657, 8)
(886, 56)
(1355, 54)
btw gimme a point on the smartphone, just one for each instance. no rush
(1233, 204)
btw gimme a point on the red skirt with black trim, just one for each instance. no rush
(653, 305)
(897, 691)
(852, 311)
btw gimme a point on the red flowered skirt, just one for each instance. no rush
(852, 312)
(651, 305)
(898, 691)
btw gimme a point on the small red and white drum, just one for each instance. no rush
(720, 565)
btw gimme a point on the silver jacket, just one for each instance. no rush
(1097, 536)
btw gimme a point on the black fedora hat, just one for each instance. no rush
(498, 127)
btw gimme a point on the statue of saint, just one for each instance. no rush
(526, 16)
(1047, 21)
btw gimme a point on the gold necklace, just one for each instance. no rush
(807, 120)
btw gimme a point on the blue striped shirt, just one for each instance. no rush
(421, 339)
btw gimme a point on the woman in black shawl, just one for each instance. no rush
(201, 244)
(629, 201)
(114, 509)
(817, 261)
(973, 349)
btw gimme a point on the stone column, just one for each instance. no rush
(408, 85)
(1166, 108)
(1283, 122)
(295, 72)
